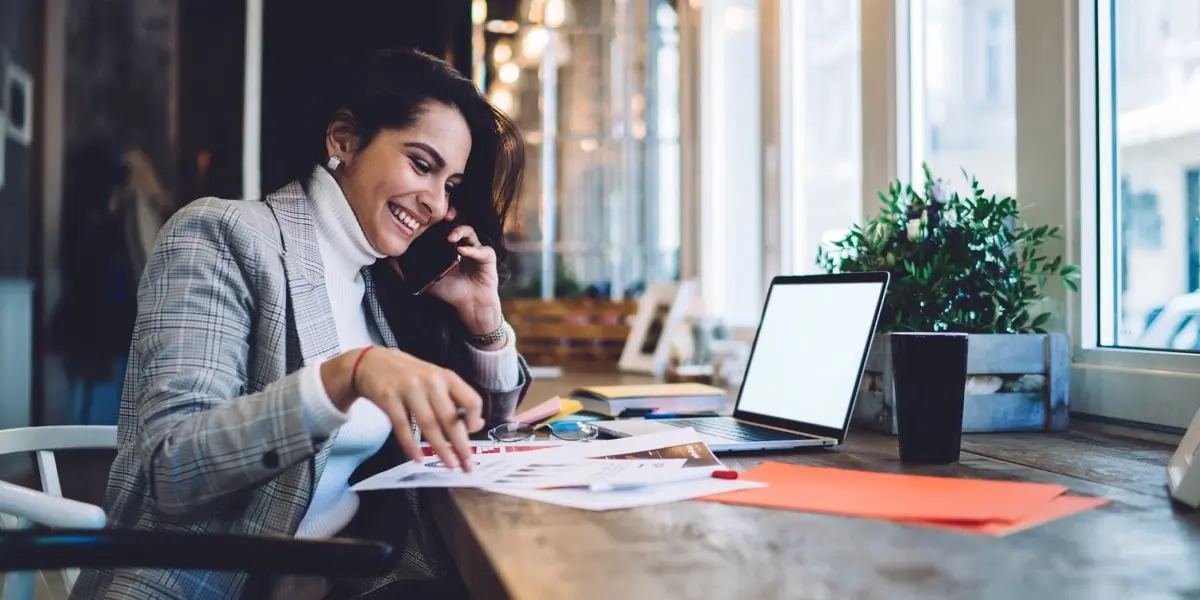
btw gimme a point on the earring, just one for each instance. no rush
(334, 163)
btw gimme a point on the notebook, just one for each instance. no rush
(611, 400)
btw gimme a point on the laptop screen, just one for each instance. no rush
(810, 350)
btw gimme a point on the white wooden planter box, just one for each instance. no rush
(1015, 383)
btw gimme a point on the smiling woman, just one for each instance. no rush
(276, 360)
(394, 205)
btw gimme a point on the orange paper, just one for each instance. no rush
(1058, 508)
(961, 502)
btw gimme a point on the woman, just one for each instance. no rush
(94, 315)
(275, 361)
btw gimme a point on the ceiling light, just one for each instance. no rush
(509, 72)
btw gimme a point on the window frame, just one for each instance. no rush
(1112, 382)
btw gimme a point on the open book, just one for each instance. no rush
(611, 400)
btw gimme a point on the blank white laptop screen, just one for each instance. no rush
(809, 350)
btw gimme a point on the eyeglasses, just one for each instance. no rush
(569, 431)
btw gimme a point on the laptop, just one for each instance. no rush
(803, 372)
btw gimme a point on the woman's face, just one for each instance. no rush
(400, 183)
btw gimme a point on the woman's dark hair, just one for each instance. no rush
(389, 90)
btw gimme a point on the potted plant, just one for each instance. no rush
(965, 263)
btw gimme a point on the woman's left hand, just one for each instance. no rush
(472, 287)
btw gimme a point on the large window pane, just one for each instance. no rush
(665, 144)
(600, 204)
(731, 259)
(1155, 213)
(964, 92)
(827, 131)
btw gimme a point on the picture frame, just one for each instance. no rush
(17, 91)
(661, 308)
(1183, 471)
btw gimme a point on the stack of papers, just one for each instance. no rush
(495, 471)
(498, 448)
(561, 473)
(976, 506)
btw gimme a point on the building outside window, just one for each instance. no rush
(964, 92)
(1156, 96)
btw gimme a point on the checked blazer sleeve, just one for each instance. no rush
(500, 376)
(202, 440)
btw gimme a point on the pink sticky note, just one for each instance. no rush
(542, 411)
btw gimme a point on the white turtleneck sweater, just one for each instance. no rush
(365, 427)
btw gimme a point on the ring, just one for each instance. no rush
(461, 414)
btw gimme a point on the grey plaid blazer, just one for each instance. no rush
(210, 439)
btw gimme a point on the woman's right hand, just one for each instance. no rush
(403, 385)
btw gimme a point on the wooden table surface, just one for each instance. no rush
(1140, 546)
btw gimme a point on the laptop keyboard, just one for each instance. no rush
(735, 430)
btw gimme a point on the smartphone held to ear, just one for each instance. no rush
(428, 259)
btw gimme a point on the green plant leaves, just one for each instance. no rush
(973, 267)
(1040, 320)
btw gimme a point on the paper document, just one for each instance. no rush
(527, 474)
(970, 505)
(679, 444)
(892, 496)
(648, 496)
(502, 471)
(489, 447)
(430, 472)
(1058, 508)
(534, 475)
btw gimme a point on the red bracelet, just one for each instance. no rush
(354, 372)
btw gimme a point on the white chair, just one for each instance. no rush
(78, 537)
(22, 508)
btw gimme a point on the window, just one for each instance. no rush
(824, 140)
(1193, 219)
(731, 255)
(939, 82)
(1142, 222)
(995, 39)
(666, 108)
(963, 92)
(1138, 134)
(1151, 216)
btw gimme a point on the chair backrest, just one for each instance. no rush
(581, 333)
(44, 442)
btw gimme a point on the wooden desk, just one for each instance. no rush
(1139, 546)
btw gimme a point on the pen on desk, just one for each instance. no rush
(686, 475)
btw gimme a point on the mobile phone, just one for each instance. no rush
(428, 259)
